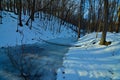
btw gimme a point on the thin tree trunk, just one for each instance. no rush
(0, 12)
(118, 24)
(118, 27)
(79, 29)
(80, 17)
(20, 13)
(33, 11)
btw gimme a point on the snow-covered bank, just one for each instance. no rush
(41, 28)
(91, 61)
(46, 58)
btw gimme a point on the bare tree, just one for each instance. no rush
(104, 32)
(80, 16)
(118, 26)
(0, 11)
(20, 13)
(33, 11)
(67, 11)
(44, 8)
(22, 62)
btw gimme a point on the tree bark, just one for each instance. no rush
(118, 24)
(104, 32)
(20, 13)
(0, 12)
(80, 17)
(33, 11)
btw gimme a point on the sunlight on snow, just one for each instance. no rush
(90, 61)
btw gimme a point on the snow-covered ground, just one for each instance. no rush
(42, 28)
(44, 59)
(88, 60)
(85, 60)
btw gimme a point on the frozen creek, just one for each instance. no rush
(40, 61)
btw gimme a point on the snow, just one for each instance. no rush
(84, 60)
(87, 60)
(41, 28)
(46, 58)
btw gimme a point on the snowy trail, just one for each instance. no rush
(91, 61)
(87, 65)
(90, 66)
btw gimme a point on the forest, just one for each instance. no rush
(59, 39)
(87, 15)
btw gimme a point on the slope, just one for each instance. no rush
(42, 28)
(91, 61)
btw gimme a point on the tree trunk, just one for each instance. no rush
(117, 27)
(33, 11)
(20, 13)
(14, 7)
(104, 32)
(10, 5)
(80, 17)
(118, 24)
(79, 21)
(0, 12)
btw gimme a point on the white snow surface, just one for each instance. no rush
(44, 55)
(88, 60)
(41, 29)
